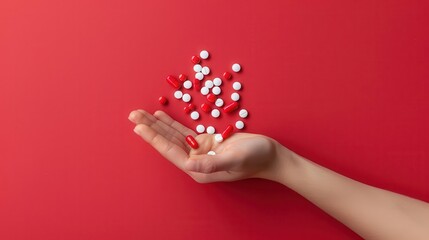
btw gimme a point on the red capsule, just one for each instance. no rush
(182, 77)
(211, 97)
(227, 132)
(197, 84)
(173, 81)
(227, 75)
(163, 100)
(230, 107)
(187, 110)
(192, 142)
(195, 59)
(192, 106)
(206, 108)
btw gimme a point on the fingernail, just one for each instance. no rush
(131, 116)
(136, 130)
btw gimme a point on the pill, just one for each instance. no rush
(243, 113)
(216, 90)
(191, 107)
(163, 100)
(204, 54)
(230, 107)
(219, 102)
(205, 70)
(235, 96)
(197, 68)
(211, 97)
(227, 132)
(217, 82)
(215, 113)
(187, 84)
(182, 77)
(236, 86)
(210, 130)
(236, 67)
(212, 153)
(239, 124)
(195, 59)
(192, 142)
(218, 138)
(178, 94)
(173, 81)
(197, 84)
(195, 115)
(227, 75)
(209, 84)
(205, 107)
(204, 91)
(187, 110)
(199, 76)
(186, 97)
(200, 128)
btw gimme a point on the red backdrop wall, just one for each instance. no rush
(344, 83)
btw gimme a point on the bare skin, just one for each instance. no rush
(371, 212)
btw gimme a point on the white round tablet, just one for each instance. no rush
(219, 102)
(200, 128)
(178, 94)
(216, 90)
(236, 67)
(217, 82)
(205, 70)
(211, 153)
(239, 124)
(243, 113)
(204, 54)
(195, 115)
(209, 84)
(236, 86)
(198, 68)
(235, 97)
(215, 113)
(210, 130)
(218, 138)
(187, 84)
(199, 76)
(205, 90)
(186, 97)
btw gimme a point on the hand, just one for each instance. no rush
(240, 156)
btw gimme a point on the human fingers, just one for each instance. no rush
(204, 163)
(164, 117)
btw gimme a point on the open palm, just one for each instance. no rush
(241, 156)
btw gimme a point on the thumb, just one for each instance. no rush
(210, 163)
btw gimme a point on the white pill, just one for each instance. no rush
(219, 102)
(211, 153)
(218, 138)
(235, 96)
(215, 113)
(236, 67)
(239, 124)
(216, 90)
(217, 82)
(236, 86)
(243, 113)
(199, 76)
(200, 128)
(205, 90)
(210, 130)
(187, 84)
(178, 94)
(209, 84)
(198, 68)
(204, 54)
(205, 70)
(186, 97)
(195, 115)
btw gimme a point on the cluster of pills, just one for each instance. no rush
(214, 104)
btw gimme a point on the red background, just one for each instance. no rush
(344, 83)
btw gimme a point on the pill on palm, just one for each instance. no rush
(212, 153)
(192, 142)
(227, 132)
(218, 138)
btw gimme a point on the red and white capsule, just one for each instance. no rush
(192, 142)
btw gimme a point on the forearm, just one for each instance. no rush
(371, 212)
